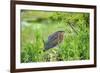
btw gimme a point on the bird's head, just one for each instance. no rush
(61, 32)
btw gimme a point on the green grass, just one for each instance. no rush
(36, 26)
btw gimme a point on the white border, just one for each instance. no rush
(52, 64)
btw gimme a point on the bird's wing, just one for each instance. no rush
(53, 37)
(50, 44)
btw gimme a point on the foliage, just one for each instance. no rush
(36, 26)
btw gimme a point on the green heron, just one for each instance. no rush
(53, 40)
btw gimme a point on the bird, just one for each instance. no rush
(53, 40)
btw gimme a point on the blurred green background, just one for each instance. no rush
(36, 26)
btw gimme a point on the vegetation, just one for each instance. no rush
(36, 26)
